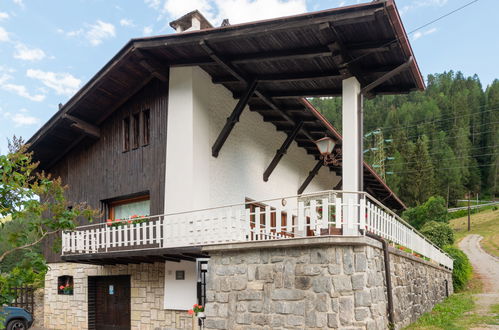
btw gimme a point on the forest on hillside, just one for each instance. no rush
(443, 141)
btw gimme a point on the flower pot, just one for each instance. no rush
(201, 315)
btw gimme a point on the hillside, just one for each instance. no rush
(443, 141)
(486, 224)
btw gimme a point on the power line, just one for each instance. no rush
(446, 138)
(397, 128)
(449, 158)
(440, 169)
(416, 29)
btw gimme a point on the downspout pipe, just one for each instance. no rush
(388, 278)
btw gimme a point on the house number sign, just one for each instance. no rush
(111, 289)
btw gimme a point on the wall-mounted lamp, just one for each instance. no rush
(326, 146)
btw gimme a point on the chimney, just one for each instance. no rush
(191, 22)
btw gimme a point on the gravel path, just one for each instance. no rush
(487, 268)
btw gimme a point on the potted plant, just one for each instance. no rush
(198, 311)
(66, 289)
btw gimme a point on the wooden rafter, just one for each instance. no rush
(281, 152)
(233, 118)
(230, 68)
(387, 76)
(340, 54)
(283, 77)
(83, 126)
(151, 64)
(286, 94)
(310, 176)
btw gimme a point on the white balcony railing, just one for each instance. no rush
(318, 214)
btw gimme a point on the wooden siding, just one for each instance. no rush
(101, 171)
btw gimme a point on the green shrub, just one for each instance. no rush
(434, 209)
(462, 267)
(439, 233)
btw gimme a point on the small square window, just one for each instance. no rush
(180, 274)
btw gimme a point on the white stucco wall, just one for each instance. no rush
(195, 179)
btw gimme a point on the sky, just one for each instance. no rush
(51, 48)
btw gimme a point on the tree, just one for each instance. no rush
(433, 209)
(440, 233)
(35, 202)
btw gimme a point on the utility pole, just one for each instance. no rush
(469, 211)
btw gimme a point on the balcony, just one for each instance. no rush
(310, 215)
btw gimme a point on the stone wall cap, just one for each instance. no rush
(295, 242)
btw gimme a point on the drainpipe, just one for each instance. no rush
(388, 277)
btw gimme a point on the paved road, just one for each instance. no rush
(487, 268)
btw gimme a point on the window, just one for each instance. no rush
(145, 127)
(126, 208)
(65, 285)
(136, 130)
(126, 134)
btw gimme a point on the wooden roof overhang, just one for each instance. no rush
(272, 65)
(137, 256)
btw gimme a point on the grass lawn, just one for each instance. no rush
(485, 223)
(456, 312)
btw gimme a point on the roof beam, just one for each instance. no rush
(290, 54)
(83, 126)
(405, 66)
(340, 54)
(310, 176)
(281, 152)
(151, 64)
(229, 67)
(287, 94)
(124, 99)
(339, 16)
(283, 77)
(233, 118)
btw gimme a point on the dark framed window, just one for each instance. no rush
(126, 133)
(65, 285)
(146, 125)
(136, 130)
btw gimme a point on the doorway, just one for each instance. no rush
(109, 302)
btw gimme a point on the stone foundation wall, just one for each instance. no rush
(417, 286)
(147, 294)
(316, 283)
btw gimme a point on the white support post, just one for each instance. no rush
(352, 167)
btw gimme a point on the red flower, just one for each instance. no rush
(61, 287)
(190, 311)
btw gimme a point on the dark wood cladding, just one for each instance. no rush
(100, 170)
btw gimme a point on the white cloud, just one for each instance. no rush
(147, 30)
(94, 33)
(422, 3)
(3, 16)
(419, 34)
(126, 22)
(20, 3)
(25, 53)
(19, 89)
(61, 83)
(237, 11)
(4, 35)
(155, 4)
(100, 31)
(22, 118)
